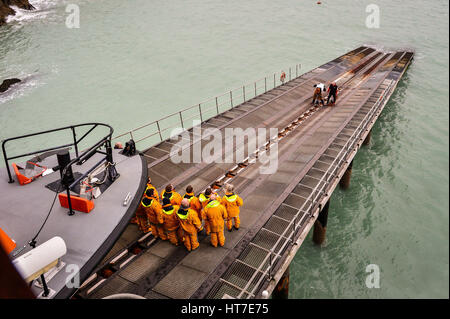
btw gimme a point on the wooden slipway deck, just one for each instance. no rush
(315, 146)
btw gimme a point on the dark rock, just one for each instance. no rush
(6, 10)
(7, 83)
(22, 4)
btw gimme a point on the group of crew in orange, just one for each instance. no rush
(179, 218)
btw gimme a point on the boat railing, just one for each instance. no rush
(205, 110)
(79, 158)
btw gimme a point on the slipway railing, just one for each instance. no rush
(307, 209)
(211, 107)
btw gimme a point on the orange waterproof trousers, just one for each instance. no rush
(217, 238)
(158, 231)
(190, 240)
(236, 220)
(171, 236)
(143, 223)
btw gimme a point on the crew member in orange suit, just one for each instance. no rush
(172, 195)
(194, 203)
(141, 216)
(154, 213)
(204, 199)
(171, 221)
(189, 225)
(232, 202)
(150, 186)
(216, 215)
(149, 190)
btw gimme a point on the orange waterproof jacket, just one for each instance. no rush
(175, 198)
(171, 221)
(154, 212)
(204, 200)
(189, 220)
(216, 215)
(155, 192)
(232, 202)
(141, 210)
(193, 202)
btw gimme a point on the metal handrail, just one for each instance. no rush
(242, 93)
(313, 200)
(75, 142)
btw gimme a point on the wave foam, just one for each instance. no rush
(43, 8)
(29, 82)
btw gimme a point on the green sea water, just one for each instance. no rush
(131, 62)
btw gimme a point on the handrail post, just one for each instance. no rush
(293, 230)
(159, 130)
(109, 154)
(274, 81)
(255, 89)
(181, 120)
(71, 212)
(243, 92)
(217, 106)
(265, 84)
(296, 70)
(270, 264)
(231, 98)
(75, 140)
(290, 74)
(11, 180)
(200, 110)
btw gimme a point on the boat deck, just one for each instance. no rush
(88, 237)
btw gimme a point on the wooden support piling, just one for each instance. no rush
(320, 225)
(367, 139)
(345, 180)
(281, 291)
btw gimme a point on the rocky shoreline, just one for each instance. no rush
(4, 86)
(6, 10)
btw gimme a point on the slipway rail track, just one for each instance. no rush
(316, 146)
